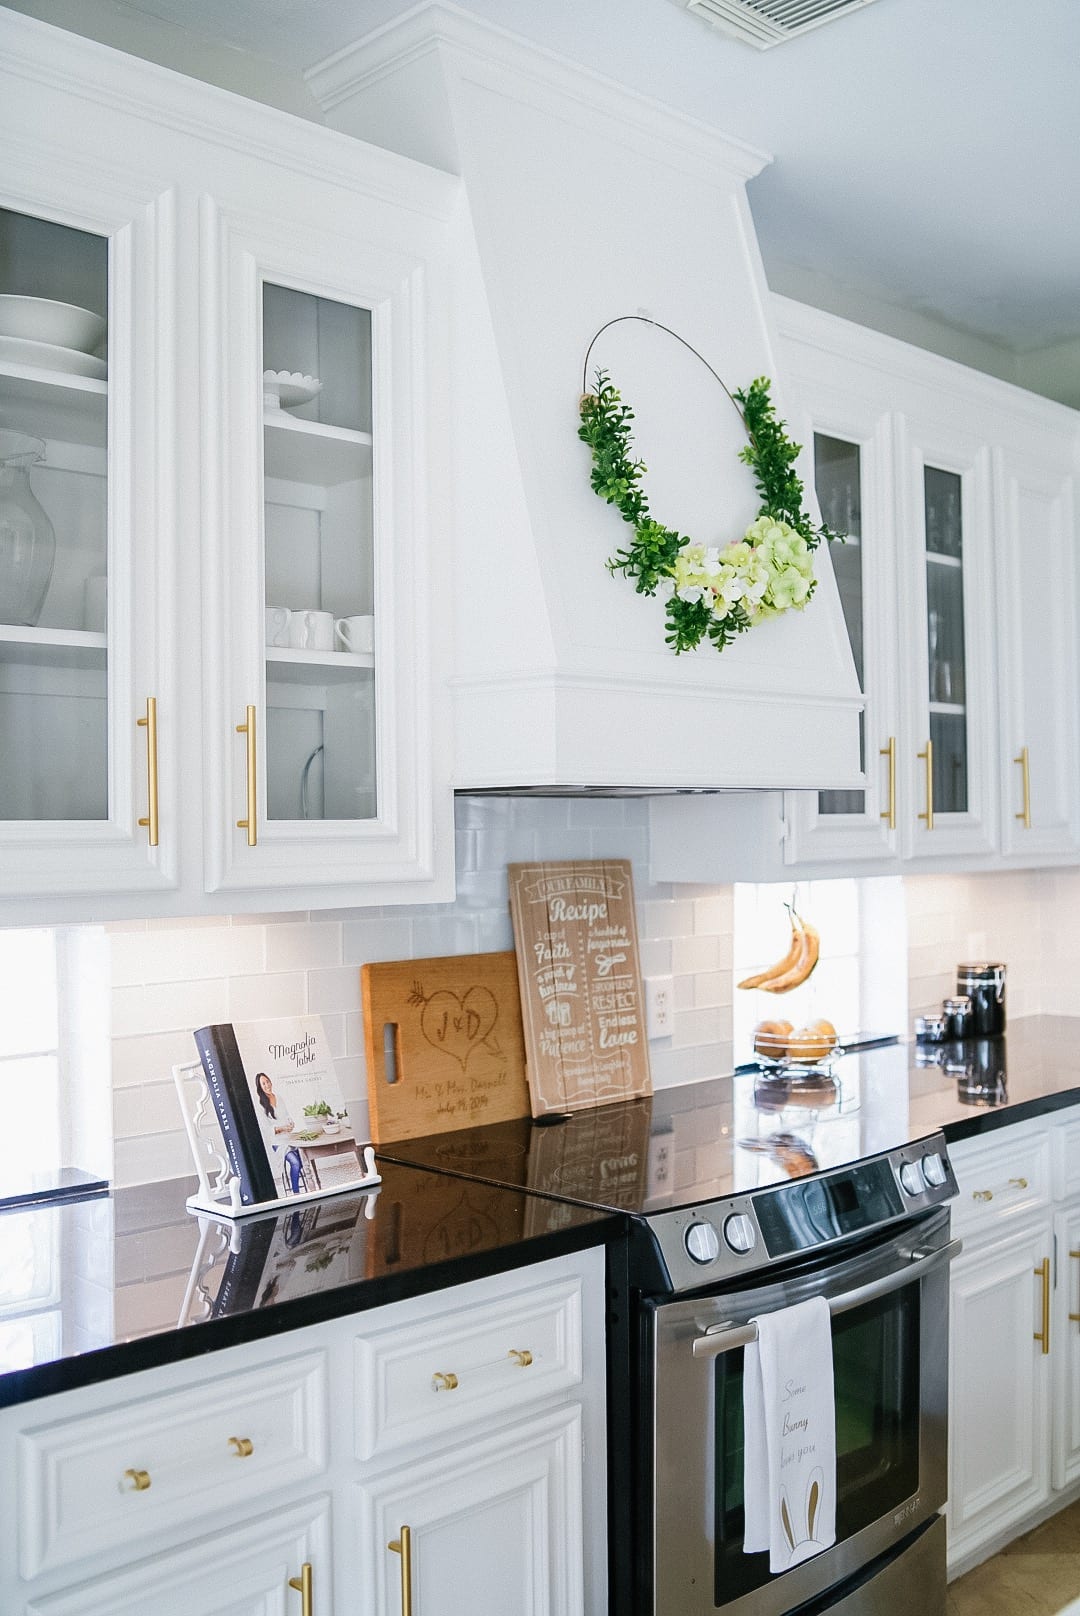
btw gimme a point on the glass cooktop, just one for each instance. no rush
(691, 1145)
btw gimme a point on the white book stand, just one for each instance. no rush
(219, 1188)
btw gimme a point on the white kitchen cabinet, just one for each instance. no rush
(489, 1526)
(222, 239)
(319, 1445)
(957, 632)
(999, 1386)
(251, 1567)
(1034, 500)
(1014, 1363)
(77, 674)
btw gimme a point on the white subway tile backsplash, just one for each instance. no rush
(168, 1006)
(364, 941)
(275, 993)
(303, 947)
(170, 977)
(187, 954)
(333, 990)
(151, 1056)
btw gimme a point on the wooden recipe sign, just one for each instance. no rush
(577, 962)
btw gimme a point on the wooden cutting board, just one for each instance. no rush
(444, 1044)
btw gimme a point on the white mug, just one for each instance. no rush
(356, 633)
(311, 631)
(277, 625)
(95, 603)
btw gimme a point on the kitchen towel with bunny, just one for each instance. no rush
(789, 1423)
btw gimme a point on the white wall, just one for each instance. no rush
(169, 976)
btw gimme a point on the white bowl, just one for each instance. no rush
(39, 319)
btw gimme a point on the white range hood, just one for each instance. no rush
(582, 202)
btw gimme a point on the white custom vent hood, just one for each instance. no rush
(580, 202)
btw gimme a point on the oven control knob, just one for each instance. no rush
(911, 1177)
(739, 1232)
(934, 1169)
(702, 1242)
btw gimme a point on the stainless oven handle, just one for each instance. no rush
(739, 1335)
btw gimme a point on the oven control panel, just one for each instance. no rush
(737, 1234)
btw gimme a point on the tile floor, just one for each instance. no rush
(1038, 1575)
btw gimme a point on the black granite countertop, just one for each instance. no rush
(116, 1283)
(111, 1284)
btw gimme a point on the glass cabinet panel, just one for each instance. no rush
(838, 483)
(318, 558)
(946, 682)
(53, 509)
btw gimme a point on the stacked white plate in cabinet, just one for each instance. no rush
(51, 335)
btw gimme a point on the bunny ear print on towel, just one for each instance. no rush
(785, 1519)
(813, 1500)
(800, 1533)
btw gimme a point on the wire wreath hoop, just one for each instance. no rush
(712, 592)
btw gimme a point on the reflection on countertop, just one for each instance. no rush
(113, 1284)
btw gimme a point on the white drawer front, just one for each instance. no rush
(110, 1478)
(1065, 1130)
(451, 1368)
(244, 1571)
(1003, 1177)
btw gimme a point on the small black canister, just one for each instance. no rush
(957, 1013)
(984, 985)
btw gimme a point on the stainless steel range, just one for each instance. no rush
(746, 1197)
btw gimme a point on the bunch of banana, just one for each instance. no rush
(797, 963)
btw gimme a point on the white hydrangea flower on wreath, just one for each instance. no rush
(712, 592)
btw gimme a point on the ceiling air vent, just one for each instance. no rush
(769, 22)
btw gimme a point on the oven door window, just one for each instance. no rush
(876, 1374)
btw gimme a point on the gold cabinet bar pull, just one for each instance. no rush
(928, 813)
(149, 724)
(1042, 1272)
(521, 1356)
(403, 1545)
(444, 1381)
(1075, 1317)
(889, 813)
(302, 1584)
(250, 824)
(242, 1446)
(1025, 776)
(135, 1481)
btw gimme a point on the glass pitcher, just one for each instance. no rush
(27, 539)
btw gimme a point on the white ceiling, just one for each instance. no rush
(926, 173)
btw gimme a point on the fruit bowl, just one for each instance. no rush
(780, 1042)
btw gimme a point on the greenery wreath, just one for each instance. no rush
(712, 592)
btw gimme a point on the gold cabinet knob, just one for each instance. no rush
(242, 1446)
(982, 1195)
(444, 1381)
(135, 1481)
(521, 1356)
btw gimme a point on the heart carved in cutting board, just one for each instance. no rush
(458, 1024)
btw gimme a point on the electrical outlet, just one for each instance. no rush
(659, 993)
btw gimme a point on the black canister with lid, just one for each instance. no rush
(984, 985)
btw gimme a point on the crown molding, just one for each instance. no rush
(39, 53)
(484, 53)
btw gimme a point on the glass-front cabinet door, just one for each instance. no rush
(84, 805)
(946, 582)
(317, 652)
(850, 459)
